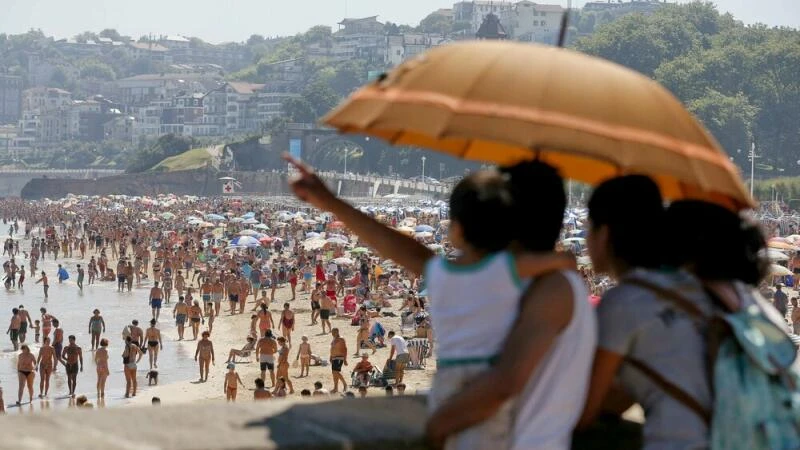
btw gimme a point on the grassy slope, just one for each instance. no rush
(191, 159)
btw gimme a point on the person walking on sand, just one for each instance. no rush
(195, 317)
(180, 313)
(46, 361)
(400, 354)
(265, 353)
(155, 300)
(338, 358)
(233, 289)
(131, 356)
(283, 363)
(26, 372)
(97, 326)
(231, 383)
(45, 284)
(265, 321)
(325, 312)
(287, 323)
(304, 356)
(153, 338)
(205, 352)
(71, 357)
(101, 361)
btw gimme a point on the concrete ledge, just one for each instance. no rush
(373, 423)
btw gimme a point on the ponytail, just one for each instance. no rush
(538, 204)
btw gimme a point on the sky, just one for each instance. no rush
(235, 20)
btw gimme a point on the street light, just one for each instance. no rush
(752, 156)
(423, 169)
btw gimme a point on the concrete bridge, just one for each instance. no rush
(378, 186)
(13, 180)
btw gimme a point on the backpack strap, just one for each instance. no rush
(672, 390)
(667, 386)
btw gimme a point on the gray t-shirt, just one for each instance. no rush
(635, 322)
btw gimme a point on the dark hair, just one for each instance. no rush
(717, 243)
(536, 188)
(633, 210)
(259, 383)
(305, 393)
(479, 202)
(317, 385)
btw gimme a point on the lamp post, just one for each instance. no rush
(752, 156)
(346, 151)
(423, 169)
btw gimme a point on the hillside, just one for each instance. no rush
(195, 158)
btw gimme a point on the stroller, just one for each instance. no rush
(375, 379)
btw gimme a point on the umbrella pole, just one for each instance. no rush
(562, 34)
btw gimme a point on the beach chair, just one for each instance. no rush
(388, 373)
(407, 323)
(375, 379)
(417, 353)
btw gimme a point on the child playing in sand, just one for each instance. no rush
(474, 299)
(304, 356)
(230, 385)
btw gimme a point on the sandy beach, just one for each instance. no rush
(231, 331)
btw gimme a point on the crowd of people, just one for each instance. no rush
(524, 359)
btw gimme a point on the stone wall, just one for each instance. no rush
(372, 423)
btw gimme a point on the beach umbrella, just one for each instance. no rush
(245, 241)
(314, 243)
(337, 241)
(424, 234)
(167, 215)
(591, 119)
(359, 250)
(776, 270)
(237, 220)
(312, 234)
(261, 226)
(249, 233)
(775, 255)
(782, 246)
(424, 228)
(249, 215)
(214, 217)
(343, 261)
(250, 221)
(406, 230)
(265, 240)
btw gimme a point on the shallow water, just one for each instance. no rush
(73, 308)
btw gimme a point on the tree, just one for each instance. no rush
(97, 70)
(255, 39)
(85, 37)
(112, 34)
(297, 109)
(166, 146)
(436, 22)
(730, 119)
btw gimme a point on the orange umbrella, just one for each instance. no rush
(503, 102)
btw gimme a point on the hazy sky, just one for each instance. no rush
(235, 20)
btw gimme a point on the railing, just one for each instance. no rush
(401, 182)
(61, 171)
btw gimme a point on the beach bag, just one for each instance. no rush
(756, 402)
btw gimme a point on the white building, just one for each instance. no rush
(533, 22)
(474, 11)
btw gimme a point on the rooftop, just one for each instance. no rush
(363, 19)
(245, 88)
(149, 46)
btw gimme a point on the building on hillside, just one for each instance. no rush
(395, 49)
(365, 25)
(10, 98)
(474, 12)
(149, 50)
(45, 99)
(75, 49)
(491, 28)
(641, 6)
(119, 128)
(533, 22)
(140, 90)
(230, 56)
(173, 42)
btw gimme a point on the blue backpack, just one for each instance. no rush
(755, 383)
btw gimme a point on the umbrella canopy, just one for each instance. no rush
(261, 226)
(343, 261)
(777, 270)
(359, 250)
(167, 215)
(424, 228)
(249, 233)
(250, 221)
(782, 246)
(245, 241)
(590, 118)
(214, 217)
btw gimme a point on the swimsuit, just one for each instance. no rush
(196, 319)
(267, 362)
(14, 335)
(234, 298)
(25, 372)
(156, 303)
(324, 314)
(337, 363)
(72, 368)
(152, 344)
(180, 319)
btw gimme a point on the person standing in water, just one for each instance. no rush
(180, 313)
(80, 277)
(96, 326)
(101, 361)
(155, 300)
(26, 372)
(71, 357)
(153, 338)
(45, 284)
(46, 361)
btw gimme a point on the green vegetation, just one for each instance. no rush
(191, 159)
(741, 81)
(165, 147)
